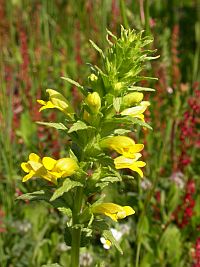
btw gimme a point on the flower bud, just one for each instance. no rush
(132, 98)
(93, 100)
(118, 86)
(93, 77)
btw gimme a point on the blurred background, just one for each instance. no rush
(42, 40)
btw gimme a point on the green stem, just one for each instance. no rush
(138, 254)
(76, 232)
(76, 237)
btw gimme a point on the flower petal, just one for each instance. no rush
(26, 167)
(28, 176)
(49, 163)
(34, 157)
(35, 165)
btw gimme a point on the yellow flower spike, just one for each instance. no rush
(93, 100)
(132, 164)
(56, 100)
(122, 144)
(113, 211)
(137, 111)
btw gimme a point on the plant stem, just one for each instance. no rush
(138, 254)
(76, 237)
(76, 232)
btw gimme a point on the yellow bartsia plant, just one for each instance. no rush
(106, 115)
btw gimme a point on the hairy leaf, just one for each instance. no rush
(58, 126)
(66, 186)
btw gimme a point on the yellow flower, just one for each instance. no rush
(137, 111)
(56, 100)
(33, 167)
(48, 168)
(123, 145)
(60, 168)
(113, 211)
(132, 164)
(106, 243)
(93, 100)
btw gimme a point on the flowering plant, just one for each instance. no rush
(111, 109)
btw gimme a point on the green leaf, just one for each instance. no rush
(97, 48)
(107, 180)
(121, 131)
(42, 195)
(139, 88)
(107, 234)
(79, 125)
(37, 195)
(111, 34)
(128, 120)
(83, 91)
(66, 186)
(58, 126)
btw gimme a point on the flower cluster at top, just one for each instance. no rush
(112, 105)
